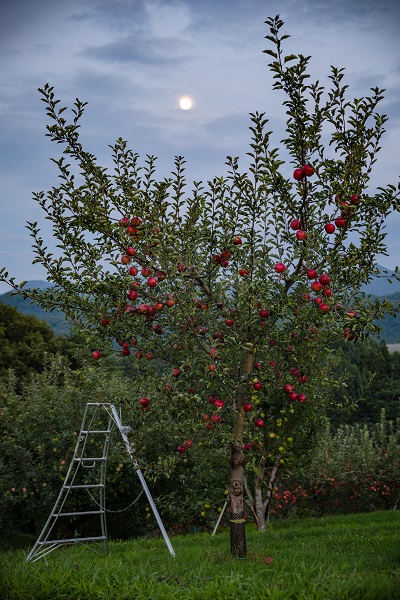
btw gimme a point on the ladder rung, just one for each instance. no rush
(88, 485)
(72, 514)
(73, 540)
(89, 459)
(87, 431)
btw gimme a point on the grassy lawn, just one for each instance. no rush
(334, 558)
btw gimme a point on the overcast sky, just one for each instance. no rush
(132, 60)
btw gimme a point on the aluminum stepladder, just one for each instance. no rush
(93, 434)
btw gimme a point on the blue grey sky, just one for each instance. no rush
(132, 60)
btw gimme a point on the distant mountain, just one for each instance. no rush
(56, 319)
(377, 287)
(380, 286)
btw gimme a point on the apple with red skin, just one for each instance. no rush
(279, 267)
(132, 295)
(146, 271)
(144, 402)
(138, 354)
(348, 335)
(272, 342)
(181, 268)
(302, 398)
(136, 221)
(298, 174)
(125, 259)
(259, 423)
(159, 306)
(355, 200)
(149, 355)
(176, 372)
(225, 254)
(224, 263)
(324, 279)
(247, 407)
(295, 224)
(229, 322)
(287, 388)
(237, 240)
(323, 308)
(216, 418)
(340, 222)
(308, 170)
(133, 271)
(181, 449)
(316, 286)
(293, 396)
(247, 446)
(301, 235)
(330, 228)
(212, 368)
(257, 365)
(105, 321)
(125, 351)
(96, 355)
(303, 379)
(317, 300)
(152, 282)
(351, 313)
(257, 385)
(135, 285)
(264, 313)
(123, 222)
(243, 272)
(203, 306)
(219, 404)
(312, 273)
(130, 251)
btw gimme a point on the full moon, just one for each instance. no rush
(185, 103)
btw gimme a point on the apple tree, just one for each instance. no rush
(226, 296)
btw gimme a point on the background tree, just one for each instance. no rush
(230, 294)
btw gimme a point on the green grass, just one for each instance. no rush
(336, 558)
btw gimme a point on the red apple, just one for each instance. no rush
(287, 388)
(324, 279)
(259, 423)
(144, 402)
(188, 443)
(219, 403)
(176, 372)
(348, 335)
(243, 272)
(264, 313)
(149, 355)
(340, 222)
(133, 271)
(170, 302)
(301, 235)
(136, 221)
(96, 355)
(229, 322)
(329, 228)
(308, 170)
(247, 407)
(132, 295)
(216, 418)
(293, 396)
(130, 251)
(323, 307)
(125, 259)
(312, 273)
(159, 306)
(125, 351)
(181, 449)
(298, 174)
(257, 385)
(247, 446)
(257, 365)
(355, 200)
(225, 254)
(181, 268)
(279, 267)
(138, 354)
(146, 271)
(237, 240)
(302, 398)
(123, 222)
(105, 321)
(316, 286)
(295, 224)
(152, 282)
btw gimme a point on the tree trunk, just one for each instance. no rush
(238, 460)
(237, 522)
